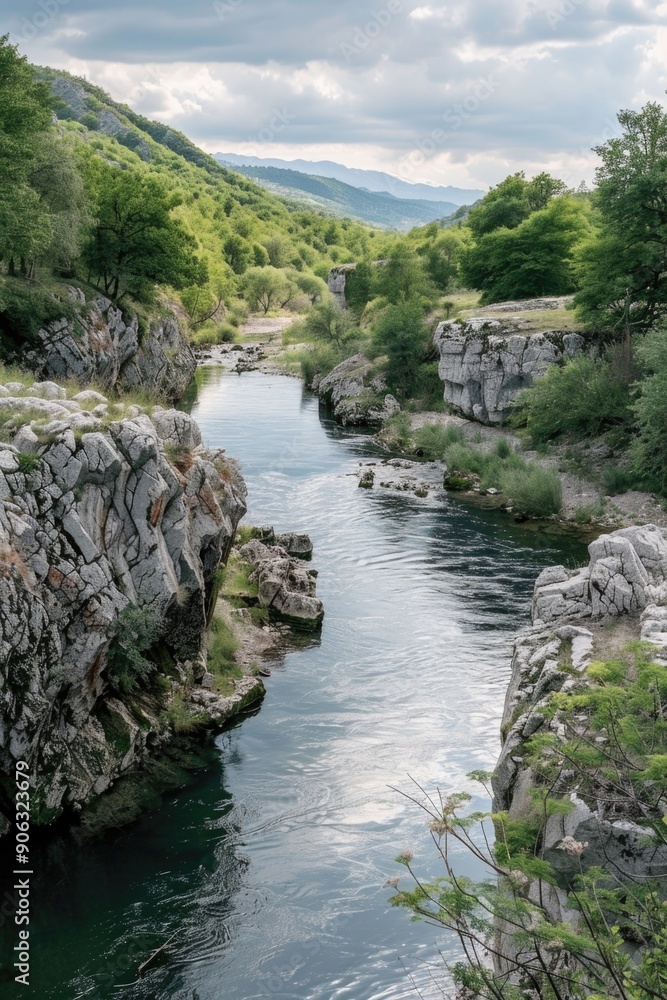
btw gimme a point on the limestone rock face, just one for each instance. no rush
(627, 574)
(102, 345)
(485, 363)
(337, 281)
(286, 585)
(94, 517)
(357, 398)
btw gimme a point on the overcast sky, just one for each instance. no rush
(458, 93)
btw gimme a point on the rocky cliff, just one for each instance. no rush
(357, 395)
(485, 363)
(113, 524)
(580, 618)
(102, 345)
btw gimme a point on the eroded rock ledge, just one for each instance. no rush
(102, 508)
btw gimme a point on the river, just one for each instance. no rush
(269, 868)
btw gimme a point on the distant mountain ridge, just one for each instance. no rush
(371, 180)
(375, 207)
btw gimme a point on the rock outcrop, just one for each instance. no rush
(287, 586)
(337, 282)
(356, 395)
(485, 363)
(103, 510)
(100, 344)
(572, 612)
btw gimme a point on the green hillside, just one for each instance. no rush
(376, 208)
(70, 179)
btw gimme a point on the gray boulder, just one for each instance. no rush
(286, 586)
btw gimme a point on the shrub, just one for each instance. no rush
(534, 491)
(617, 480)
(136, 631)
(397, 432)
(434, 439)
(583, 398)
(650, 449)
(28, 462)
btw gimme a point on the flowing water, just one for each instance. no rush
(268, 869)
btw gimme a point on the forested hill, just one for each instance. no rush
(98, 196)
(375, 207)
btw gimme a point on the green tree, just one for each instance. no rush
(329, 323)
(650, 449)
(535, 258)
(267, 288)
(401, 334)
(238, 253)
(512, 201)
(135, 243)
(403, 276)
(359, 286)
(25, 119)
(623, 270)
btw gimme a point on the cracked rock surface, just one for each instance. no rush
(94, 516)
(572, 615)
(102, 345)
(287, 585)
(485, 364)
(356, 396)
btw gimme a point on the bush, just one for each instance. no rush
(321, 361)
(650, 449)
(583, 398)
(434, 440)
(401, 334)
(397, 432)
(136, 631)
(28, 462)
(534, 491)
(617, 480)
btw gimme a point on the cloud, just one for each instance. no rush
(503, 86)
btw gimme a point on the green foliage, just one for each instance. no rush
(400, 333)
(582, 398)
(268, 288)
(359, 287)
(612, 741)
(396, 432)
(622, 269)
(135, 243)
(222, 650)
(328, 323)
(650, 448)
(136, 631)
(511, 202)
(28, 462)
(403, 279)
(531, 260)
(434, 440)
(533, 490)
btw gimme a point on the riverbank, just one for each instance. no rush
(585, 504)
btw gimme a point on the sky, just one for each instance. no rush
(455, 93)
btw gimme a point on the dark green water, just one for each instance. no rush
(269, 867)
